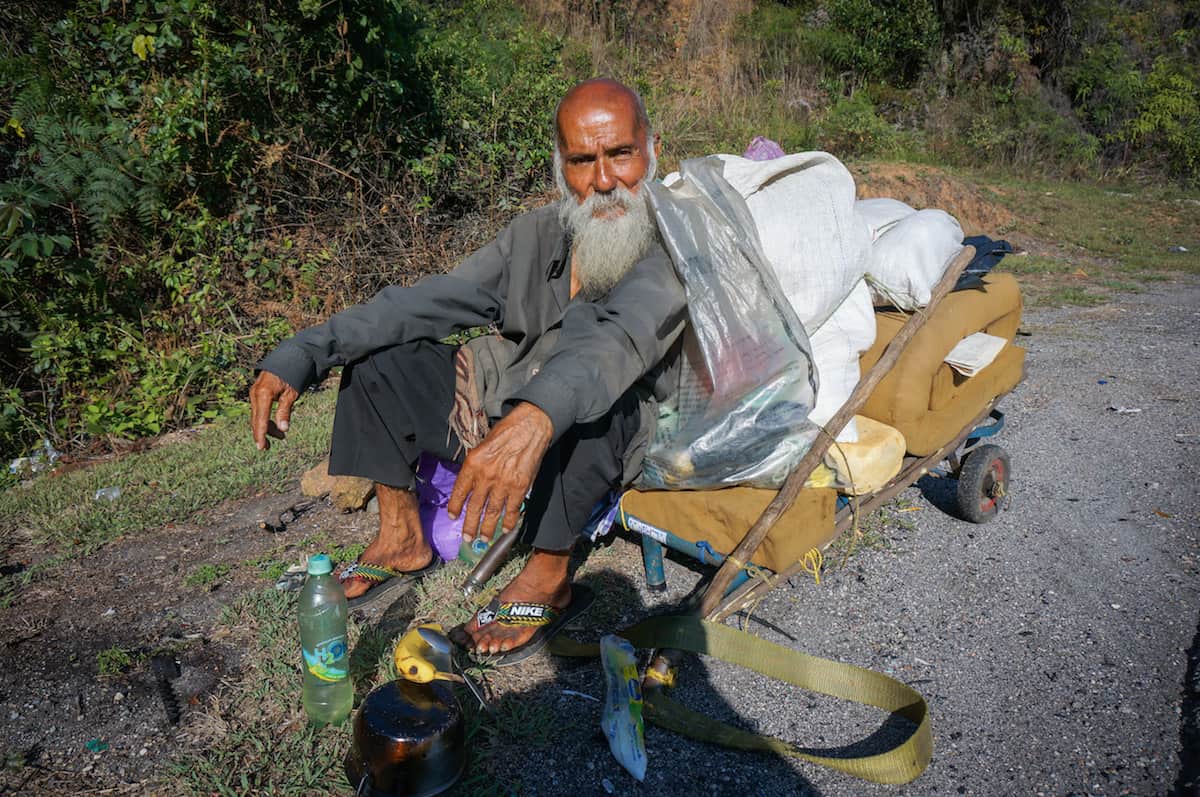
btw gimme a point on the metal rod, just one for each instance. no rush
(489, 563)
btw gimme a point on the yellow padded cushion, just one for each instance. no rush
(922, 397)
(722, 518)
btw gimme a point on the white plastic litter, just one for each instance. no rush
(836, 345)
(910, 257)
(621, 718)
(881, 214)
(38, 460)
(803, 206)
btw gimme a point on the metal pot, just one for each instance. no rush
(408, 741)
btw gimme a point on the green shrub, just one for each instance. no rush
(871, 40)
(155, 154)
(883, 40)
(1168, 116)
(851, 127)
(1156, 110)
(495, 83)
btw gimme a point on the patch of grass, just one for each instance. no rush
(1134, 229)
(165, 485)
(1060, 297)
(324, 542)
(1122, 286)
(1034, 264)
(205, 575)
(346, 553)
(113, 661)
(255, 738)
(12, 760)
(869, 535)
(269, 564)
(440, 598)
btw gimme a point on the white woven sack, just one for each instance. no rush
(910, 257)
(836, 345)
(881, 214)
(803, 206)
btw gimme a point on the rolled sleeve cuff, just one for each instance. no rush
(292, 365)
(552, 396)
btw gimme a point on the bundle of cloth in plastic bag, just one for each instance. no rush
(747, 385)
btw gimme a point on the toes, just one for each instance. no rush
(485, 644)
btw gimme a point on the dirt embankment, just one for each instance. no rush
(977, 209)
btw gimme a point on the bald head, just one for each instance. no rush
(601, 95)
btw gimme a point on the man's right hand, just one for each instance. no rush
(265, 391)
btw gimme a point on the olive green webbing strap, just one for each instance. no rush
(901, 764)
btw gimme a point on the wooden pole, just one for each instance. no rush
(749, 545)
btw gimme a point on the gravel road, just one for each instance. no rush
(1053, 644)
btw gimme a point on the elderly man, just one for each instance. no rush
(584, 311)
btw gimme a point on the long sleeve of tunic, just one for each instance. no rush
(573, 359)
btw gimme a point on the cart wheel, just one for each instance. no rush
(983, 483)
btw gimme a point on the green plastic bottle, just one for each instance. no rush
(328, 694)
(472, 549)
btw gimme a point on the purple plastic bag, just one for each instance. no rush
(763, 149)
(435, 480)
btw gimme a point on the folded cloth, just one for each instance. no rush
(987, 254)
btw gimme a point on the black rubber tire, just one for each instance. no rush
(983, 483)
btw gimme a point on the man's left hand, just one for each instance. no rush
(497, 474)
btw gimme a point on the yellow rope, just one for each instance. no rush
(854, 527)
(755, 572)
(813, 561)
(621, 510)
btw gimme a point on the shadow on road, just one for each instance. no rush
(543, 736)
(1187, 784)
(940, 492)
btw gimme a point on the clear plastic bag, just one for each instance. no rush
(747, 383)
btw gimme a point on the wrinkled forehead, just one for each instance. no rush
(588, 118)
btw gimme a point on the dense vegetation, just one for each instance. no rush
(183, 182)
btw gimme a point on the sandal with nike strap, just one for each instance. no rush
(383, 582)
(548, 620)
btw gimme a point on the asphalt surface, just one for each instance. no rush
(1052, 644)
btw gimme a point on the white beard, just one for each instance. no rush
(605, 247)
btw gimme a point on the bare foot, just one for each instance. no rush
(400, 543)
(543, 580)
